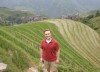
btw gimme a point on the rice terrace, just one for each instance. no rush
(72, 40)
(80, 45)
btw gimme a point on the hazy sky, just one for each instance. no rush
(52, 7)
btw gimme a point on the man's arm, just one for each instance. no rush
(58, 56)
(41, 55)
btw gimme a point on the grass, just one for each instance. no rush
(96, 22)
(82, 38)
(19, 45)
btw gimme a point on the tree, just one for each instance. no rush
(97, 14)
(90, 16)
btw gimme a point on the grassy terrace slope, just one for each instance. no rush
(19, 45)
(81, 38)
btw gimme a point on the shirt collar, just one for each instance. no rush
(50, 41)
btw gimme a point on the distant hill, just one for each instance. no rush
(11, 16)
(93, 12)
(6, 12)
(80, 45)
(53, 8)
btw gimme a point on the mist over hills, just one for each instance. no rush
(53, 8)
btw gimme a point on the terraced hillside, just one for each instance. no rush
(19, 46)
(82, 38)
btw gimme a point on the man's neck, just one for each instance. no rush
(49, 39)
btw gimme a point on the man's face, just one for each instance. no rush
(47, 35)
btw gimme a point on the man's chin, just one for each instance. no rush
(48, 38)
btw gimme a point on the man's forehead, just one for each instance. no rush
(47, 31)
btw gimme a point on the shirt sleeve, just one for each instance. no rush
(41, 45)
(56, 46)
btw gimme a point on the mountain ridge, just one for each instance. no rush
(53, 8)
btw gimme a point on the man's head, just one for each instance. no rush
(47, 34)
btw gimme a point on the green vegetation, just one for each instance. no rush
(81, 38)
(96, 22)
(11, 17)
(8, 12)
(86, 20)
(19, 46)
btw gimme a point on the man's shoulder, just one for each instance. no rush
(54, 40)
(43, 40)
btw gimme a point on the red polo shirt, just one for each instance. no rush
(49, 50)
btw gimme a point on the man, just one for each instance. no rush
(49, 53)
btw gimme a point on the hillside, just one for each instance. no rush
(96, 22)
(52, 8)
(11, 16)
(19, 45)
(9, 12)
(75, 33)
